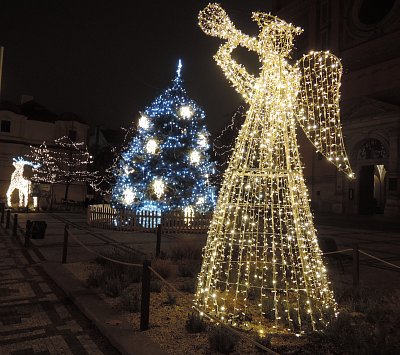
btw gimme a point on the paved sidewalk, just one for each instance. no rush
(35, 316)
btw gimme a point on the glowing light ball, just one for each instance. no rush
(151, 146)
(186, 112)
(195, 157)
(144, 122)
(158, 187)
(129, 196)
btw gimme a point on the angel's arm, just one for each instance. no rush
(214, 21)
(241, 80)
(318, 109)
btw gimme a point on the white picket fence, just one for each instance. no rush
(121, 219)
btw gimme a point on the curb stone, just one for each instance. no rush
(114, 327)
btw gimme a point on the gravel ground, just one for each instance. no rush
(167, 322)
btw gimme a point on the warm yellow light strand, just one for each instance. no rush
(262, 266)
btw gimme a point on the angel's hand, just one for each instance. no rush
(214, 21)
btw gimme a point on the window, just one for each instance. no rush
(72, 135)
(5, 126)
(372, 149)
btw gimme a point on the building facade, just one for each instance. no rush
(365, 34)
(30, 124)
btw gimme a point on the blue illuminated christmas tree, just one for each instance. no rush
(166, 165)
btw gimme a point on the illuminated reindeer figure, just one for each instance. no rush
(262, 265)
(20, 183)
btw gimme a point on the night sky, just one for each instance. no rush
(107, 60)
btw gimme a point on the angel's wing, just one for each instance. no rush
(318, 106)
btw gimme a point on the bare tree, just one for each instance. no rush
(64, 162)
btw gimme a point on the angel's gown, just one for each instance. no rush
(262, 265)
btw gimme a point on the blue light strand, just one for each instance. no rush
(186, 183)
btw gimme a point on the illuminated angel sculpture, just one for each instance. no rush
(262, 266)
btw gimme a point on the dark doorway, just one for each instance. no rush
(366, 201)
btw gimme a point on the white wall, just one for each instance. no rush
(24, 133)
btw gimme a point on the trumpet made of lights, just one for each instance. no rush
(262, 266)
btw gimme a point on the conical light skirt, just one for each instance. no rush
(262, 265)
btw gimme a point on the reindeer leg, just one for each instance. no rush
(9, 193)
(21, 197)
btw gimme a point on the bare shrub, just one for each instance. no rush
(131, 299)
(171, 299)
(186, 250)
(195, 323)
(188, 286)
(189, 267)
(222, 340)
(163, 267)
(155, 286)
(94, 278)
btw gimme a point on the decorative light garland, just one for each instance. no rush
(262, 266)
(64, 162)
(223, 144)
(104, 182)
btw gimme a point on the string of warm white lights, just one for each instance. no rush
(233, 128)
(166, 165)
(318, 106)
(262, 266)
(223, 144)
(104, 182)
(65, 162)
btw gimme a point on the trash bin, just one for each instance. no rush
(37, 229)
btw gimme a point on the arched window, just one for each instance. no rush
(372, 149)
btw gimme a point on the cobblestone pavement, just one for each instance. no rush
(35, 316)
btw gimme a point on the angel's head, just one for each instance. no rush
(276, 34)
